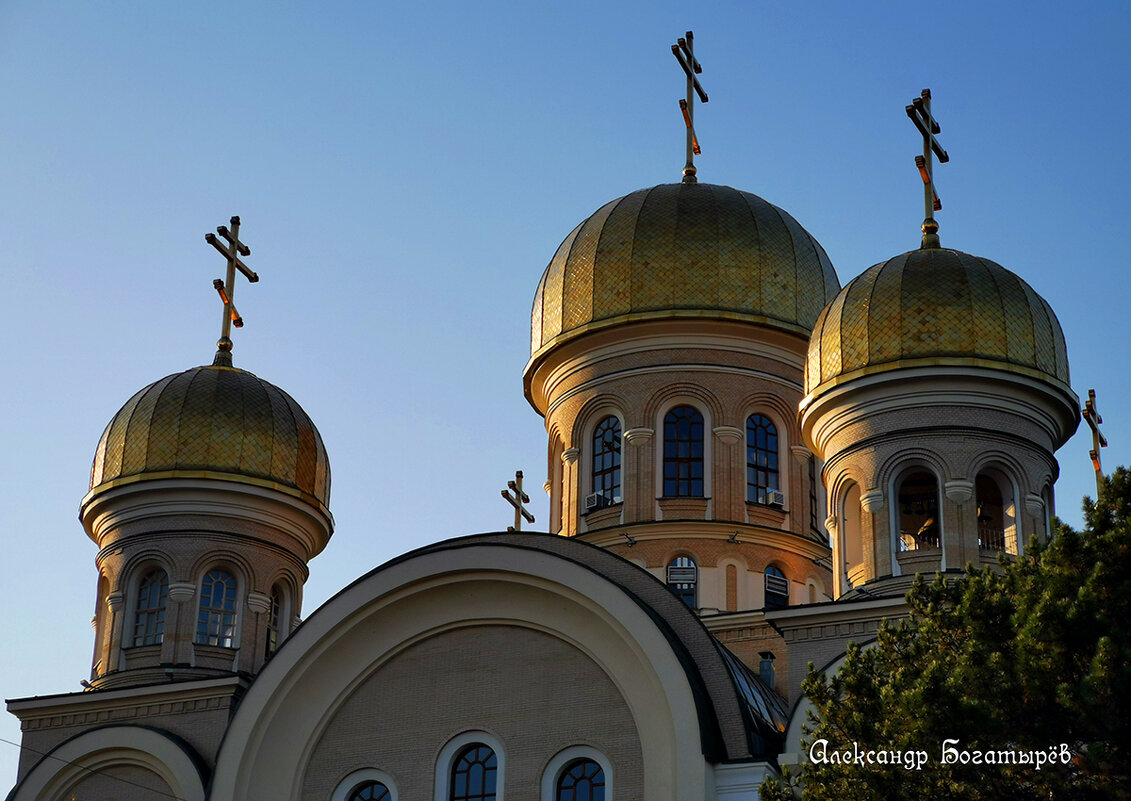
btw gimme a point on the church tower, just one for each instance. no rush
(936, 394)
(208, 496)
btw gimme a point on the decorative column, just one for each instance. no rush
(112, 659)
(571, 506)
(727, 497)
(637, 474)
(876, 539)
(180, 629)
(840, 582)
(960, 542)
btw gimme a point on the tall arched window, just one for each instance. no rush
(682, 575)
(777, 589)
(474, 774)
(369, 791)
(918, 511)
(997, 512)
(683, 453)
(216, 623)
(149, 622)
(582, 780)
(762, 461)
(606, 460)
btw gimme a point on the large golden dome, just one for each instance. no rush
(214, 422)
(936, 307)
(682, 250)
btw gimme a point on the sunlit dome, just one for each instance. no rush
(688, 250)
(936, 307)
(214, 422)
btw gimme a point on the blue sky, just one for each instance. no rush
(405, 171)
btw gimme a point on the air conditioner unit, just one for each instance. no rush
(595, 501)
(681, 575)
(771, 498)
(776, 585)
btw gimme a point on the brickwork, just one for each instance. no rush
(119, 783)
(199, 721)
(510, 682)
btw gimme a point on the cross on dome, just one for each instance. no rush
(920, 113)
(227, 288)
(684, 54)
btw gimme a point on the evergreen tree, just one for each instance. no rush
(1029, 661)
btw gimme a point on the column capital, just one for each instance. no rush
(872, 501)
(181, 591)
(638, 436)
(959, 490)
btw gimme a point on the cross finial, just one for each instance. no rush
(685, 55)
(517, 500)
(227, 289)
(1091, 416)
(920, 113)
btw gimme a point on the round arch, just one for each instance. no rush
(464, 583)
(169, 758)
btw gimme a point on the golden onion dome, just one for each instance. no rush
(682, 250)
(936, 307)
(214, 422)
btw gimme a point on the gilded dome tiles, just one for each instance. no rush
(683, 250)
(936, 304)
(217, 422)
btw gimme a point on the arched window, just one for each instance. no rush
(474, 774)
(918, 511)
(149, 622)
(762, 461)
(682, 575)
(582, 780)
(606, 460)
(274, 620)
(777, 589)
(369, 791)
(216, 623)
(683, 453)
(997, 512)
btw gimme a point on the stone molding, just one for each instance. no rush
(872, 501)
(959, 490)
(181, 592)
(728, 434)
(638, 436)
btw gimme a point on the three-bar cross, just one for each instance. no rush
(517, 500)
(685, 55)
(1092, 417)
(920, 113)
(227, 289)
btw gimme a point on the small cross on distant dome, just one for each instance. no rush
(685, 55)
(227, 288)
(517, 499)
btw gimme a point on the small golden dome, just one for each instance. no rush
(214, 422)
(682, 250)
(936, 306)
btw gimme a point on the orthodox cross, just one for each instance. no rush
(1092, 417)
(517, 499)
(920, 113)
(227, 289)
(684, 54)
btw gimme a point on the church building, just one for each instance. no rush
(746, 464)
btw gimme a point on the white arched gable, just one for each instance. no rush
(113, 746)
(271, 737)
